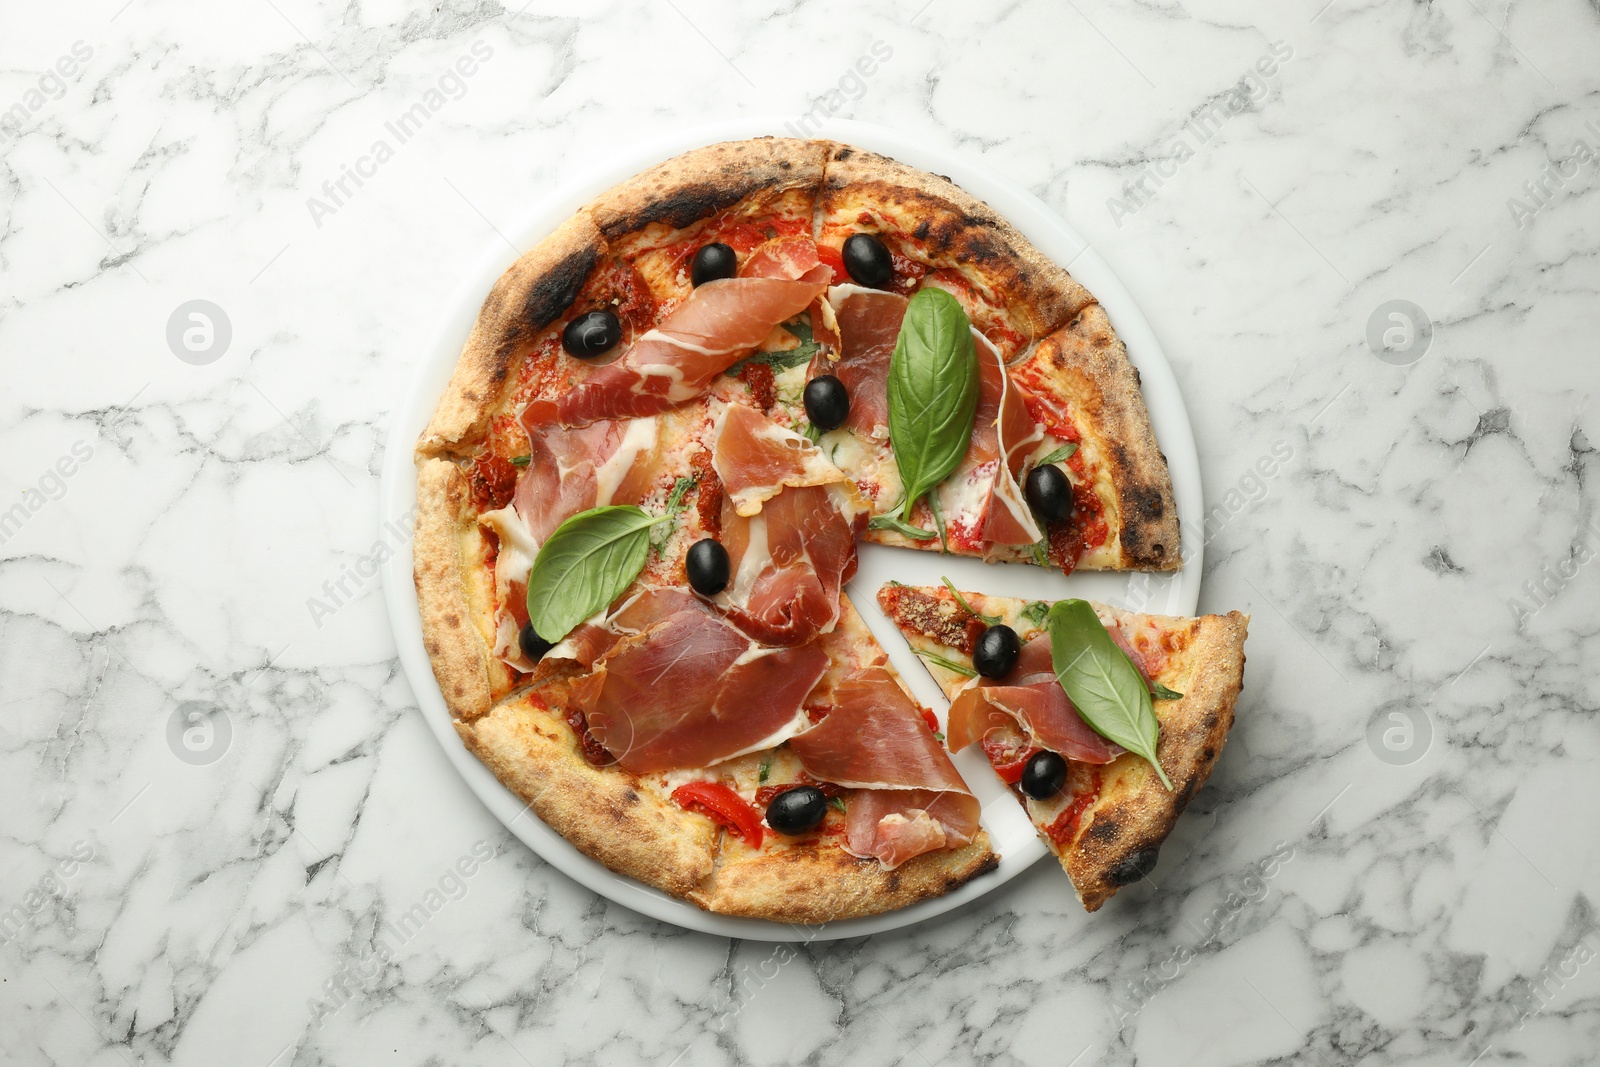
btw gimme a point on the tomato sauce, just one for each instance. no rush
(1065, 828)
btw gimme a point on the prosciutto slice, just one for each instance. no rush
(756, 459)
(1031, 698)
(691, 690)
(594, 638)
(790, 561)
(868, 324)
(718, 323)
(908, 797)
(1002, 435)
(569, 470)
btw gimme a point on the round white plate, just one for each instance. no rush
(1008, 828)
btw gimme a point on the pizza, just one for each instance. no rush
(1102, 810)
(641, 494)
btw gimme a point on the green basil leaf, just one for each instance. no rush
(521, 461)
(1066, 451)
(1102, 682)
(586, 564)
(933, 392)
(1161, 692)
(987, 620)
(766, 770)
(893, 522)
(947, 664)
(1035, 611)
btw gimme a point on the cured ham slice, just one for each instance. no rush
(756, 459)
(720, 322)
(1002, 434)
(790, 561)
(1031, 698)
(868, 324)
(569, 470)
(595, 637)
(894, 825)
(691, 691)
(908, 797)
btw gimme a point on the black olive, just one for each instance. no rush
(868, 261)
(1049, 493)
(713, 261)
(592, 334)
(533, 646)
(827, 402)
(794, 811)
(707, 566)
(997, 651)
(1044, 775)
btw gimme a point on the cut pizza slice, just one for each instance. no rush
(1107, 815)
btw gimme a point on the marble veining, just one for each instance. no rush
(1368, 239)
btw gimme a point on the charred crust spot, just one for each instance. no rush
(1208, 753)
(921, 232)
(1211, 721)
(557, 288)
(631, 796)
(1143, 506)
(1105, 829)
(1134, 867)
(894, 881)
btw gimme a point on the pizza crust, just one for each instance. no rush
(803, 884)
(698, 184)
(601, 811)
(957, 231)
(533, 293)
(1084, 367)
(461, 655)
(1120, 834)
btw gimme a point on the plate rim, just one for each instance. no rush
(436, 358)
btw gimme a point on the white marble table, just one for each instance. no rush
(1395, 861)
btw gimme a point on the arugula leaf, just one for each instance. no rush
(892, 522)
(1035, 611)
(1102, 682)
(811, 433)
(1161, 692)
(675, 506)
(778, 361)
(933, 392)
(1041, 552)
(782, 361)
(949, 665)
(766, 769)
(1064, 452)
(838, 802)
(585, 565)
(987, 620)
(521, 461)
